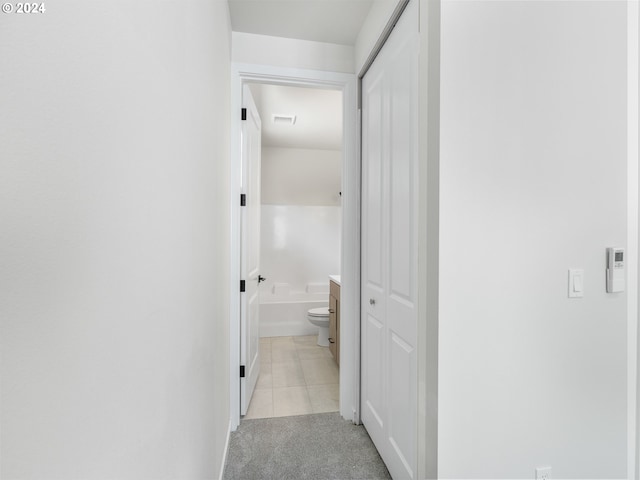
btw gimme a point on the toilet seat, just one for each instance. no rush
(319, 312)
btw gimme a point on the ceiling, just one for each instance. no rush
(318, 114)
(330, 21)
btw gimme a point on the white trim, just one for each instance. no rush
(429, 237)
(350, 291)
(357, 257)
(632, 237)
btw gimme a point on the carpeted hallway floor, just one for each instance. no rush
(319, 447)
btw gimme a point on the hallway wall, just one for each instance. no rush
(291, 53)
(533, 182)
(114, 338)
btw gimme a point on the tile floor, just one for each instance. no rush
(297, 377)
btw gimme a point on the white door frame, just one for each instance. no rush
(242, 74)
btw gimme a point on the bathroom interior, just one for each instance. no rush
(300, 242)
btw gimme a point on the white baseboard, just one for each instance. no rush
(226, 452)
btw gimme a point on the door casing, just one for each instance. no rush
(242, 74)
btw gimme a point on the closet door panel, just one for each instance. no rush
(389, 248)
(374, 239)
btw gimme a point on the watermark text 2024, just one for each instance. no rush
(23, 8)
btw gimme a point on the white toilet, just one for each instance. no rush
(320, 318)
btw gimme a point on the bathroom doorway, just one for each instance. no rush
(308, 197)
(300, 242)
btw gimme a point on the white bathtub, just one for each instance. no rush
(283, 316)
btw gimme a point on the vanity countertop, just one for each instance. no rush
(335, 278)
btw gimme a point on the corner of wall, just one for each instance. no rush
(429, 234)
(372, 29)
(226, 451)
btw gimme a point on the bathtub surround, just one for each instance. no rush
(300, 247)
(287, 316)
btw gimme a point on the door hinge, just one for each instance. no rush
(243, 114)
(242, 288)
(241, 371)
(243, 199)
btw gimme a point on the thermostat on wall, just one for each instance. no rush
(615, 270)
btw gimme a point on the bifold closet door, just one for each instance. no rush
(389, 247)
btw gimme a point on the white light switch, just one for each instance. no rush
(576, 283)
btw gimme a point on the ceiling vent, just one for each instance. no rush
(284, 119)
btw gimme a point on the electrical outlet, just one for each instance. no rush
(543, 473)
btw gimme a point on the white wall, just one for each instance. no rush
(371, 30)
(113, 286)
(291, 53)
(533, 182)
(297, 176)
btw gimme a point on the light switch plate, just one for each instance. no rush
(576, 282)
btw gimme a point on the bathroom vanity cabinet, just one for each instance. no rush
(334, 320)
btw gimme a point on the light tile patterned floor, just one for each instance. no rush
(297, 377)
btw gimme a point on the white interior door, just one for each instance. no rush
(250, 256)
(389, 248)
